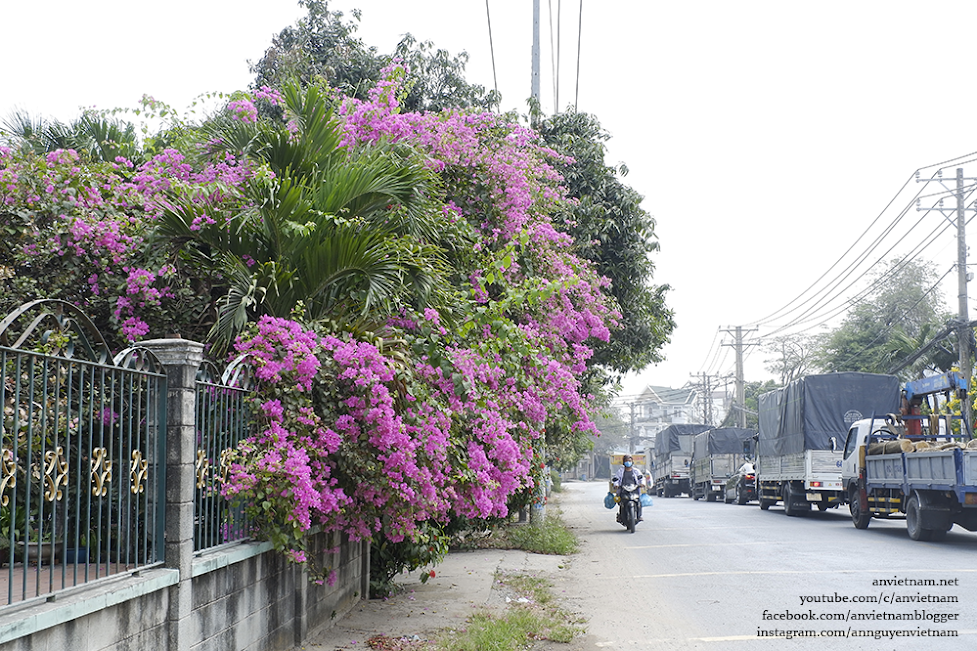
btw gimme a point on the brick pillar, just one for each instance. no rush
(181, 358)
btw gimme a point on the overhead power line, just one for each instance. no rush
(792, 306)
(488, 16)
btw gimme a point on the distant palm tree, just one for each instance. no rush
(938, 357)
(92, 136)
(346, 232)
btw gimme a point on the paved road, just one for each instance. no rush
(713, 576)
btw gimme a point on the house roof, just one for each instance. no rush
(668, 395)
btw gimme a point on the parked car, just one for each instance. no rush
(741, 486)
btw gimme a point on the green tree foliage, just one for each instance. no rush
(608, 223)
(338, 230)
(612, 230)
(324, 46)
(94, 136)
(614, 428)
(901, 305)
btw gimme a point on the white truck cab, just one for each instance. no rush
(858, 433)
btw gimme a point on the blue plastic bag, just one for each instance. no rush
(646, 500)
(609, 500)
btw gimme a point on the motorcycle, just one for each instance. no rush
(627, 498)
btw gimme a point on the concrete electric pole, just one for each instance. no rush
(535, 79)
(964, 332)
(737, 344)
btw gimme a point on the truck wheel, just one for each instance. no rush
(916, 532)
(791, 506)
(710, 497)
(859, 519)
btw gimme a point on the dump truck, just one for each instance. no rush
(716, 456)
(921, 467)
(801, 437)
(673, 456)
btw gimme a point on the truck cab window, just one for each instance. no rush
(850, 442)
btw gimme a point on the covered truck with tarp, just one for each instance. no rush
(716, 455)
(802, 430)
(673, 457)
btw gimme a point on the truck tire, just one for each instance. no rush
(792, 506)
(859, 519)
(710, 496)
(916, 532)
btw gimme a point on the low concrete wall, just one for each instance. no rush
(245, 597)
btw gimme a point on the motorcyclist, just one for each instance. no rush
(627, 474)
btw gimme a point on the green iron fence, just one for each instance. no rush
(221, 423)
(82, 478)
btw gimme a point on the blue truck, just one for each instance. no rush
(921, 467)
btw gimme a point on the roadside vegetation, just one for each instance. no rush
(533, 615)
(551, 536)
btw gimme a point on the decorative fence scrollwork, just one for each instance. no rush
(72, 416)
(223, 421)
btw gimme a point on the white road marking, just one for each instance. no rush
(719, 544)
(881, 571)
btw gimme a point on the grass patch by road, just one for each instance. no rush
(532, 614)
(551, 536)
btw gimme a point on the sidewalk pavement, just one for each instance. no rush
(463, 582)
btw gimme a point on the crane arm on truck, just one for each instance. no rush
(915, 392)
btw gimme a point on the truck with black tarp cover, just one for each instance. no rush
(716, 455)
(802, 431)
(673, 455)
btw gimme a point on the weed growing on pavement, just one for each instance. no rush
(551, 536)
(532, 615)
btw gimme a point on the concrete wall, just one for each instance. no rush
(245, 597)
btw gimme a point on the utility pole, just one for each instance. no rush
(740, 379)
(633, 438)
(535, 78)
(706, 397)
(964, 332)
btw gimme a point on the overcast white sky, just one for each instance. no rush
(765, 135)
